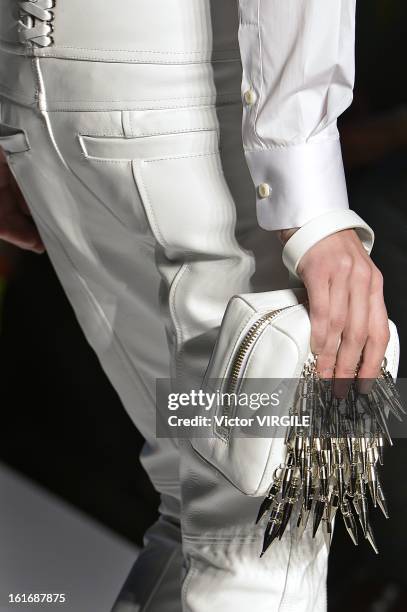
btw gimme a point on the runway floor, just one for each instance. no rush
(47, 546)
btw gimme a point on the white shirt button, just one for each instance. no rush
(250, 97)
(264, 190)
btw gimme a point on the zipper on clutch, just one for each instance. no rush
(250, 338)
(246, 345)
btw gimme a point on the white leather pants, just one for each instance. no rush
(132, 166)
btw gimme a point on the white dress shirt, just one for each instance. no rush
(298, 74)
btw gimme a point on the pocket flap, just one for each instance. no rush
(163, 145)
(13, 140)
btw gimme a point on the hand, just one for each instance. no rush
(16, 224)
(347, 309)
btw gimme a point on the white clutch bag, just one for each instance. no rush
(265, 339)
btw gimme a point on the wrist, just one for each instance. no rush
(320, 227)
(285, 234)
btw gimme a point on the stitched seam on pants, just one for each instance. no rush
(119, 134)
(98, 55)
(237, 58)
(184, 131)
(213, 539)
(175, 321)
(191, 572)
(166, 483)
(153, 221)
(140, 100)
(158, 159)
(85, 135)
(146, 201)
(145, 607)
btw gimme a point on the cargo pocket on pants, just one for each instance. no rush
(181, 186)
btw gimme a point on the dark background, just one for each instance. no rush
(63, 424)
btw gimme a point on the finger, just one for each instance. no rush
(355, 334)
(338, 314)
(318, 298)
(377, 341)
(19, 229)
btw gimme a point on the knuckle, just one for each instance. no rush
(345, 262)
(317, 343)
(369, 372)
(347, 370)
(338, 322)
(382, 336)
(319, 312)
(319, 335)
(359, 337)
(356, 337)
(325, 368)
(363, 271)
(327, 359)
(318, 328)
(386, 337)
(377, 280)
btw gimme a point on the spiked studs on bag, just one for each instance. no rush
(332, 463)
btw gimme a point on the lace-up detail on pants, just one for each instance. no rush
(35, 24)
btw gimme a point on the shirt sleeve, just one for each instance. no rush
(298, 75)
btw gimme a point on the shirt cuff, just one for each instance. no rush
(296, 183)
